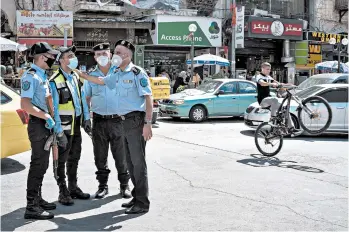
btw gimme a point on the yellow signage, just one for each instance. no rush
(325, 37)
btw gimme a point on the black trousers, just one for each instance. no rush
(70, 155)
(39, 163)
(105, 132)
(135, 155)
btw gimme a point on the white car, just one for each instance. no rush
(335, 94)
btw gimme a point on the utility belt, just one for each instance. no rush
(119, 117)
(34, 119)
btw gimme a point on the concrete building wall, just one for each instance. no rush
(326, 18)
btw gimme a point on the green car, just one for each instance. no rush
(219, 97)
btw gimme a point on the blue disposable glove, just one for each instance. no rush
(49, 123)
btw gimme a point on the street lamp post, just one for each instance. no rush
(339, 49)
(192, 28)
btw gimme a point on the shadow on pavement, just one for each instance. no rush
(308, 138)
(260, 161)
(208, 121)
(105, 221)
(9, 166)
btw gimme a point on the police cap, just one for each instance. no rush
(42, 47)
(63, 50)
(101, 47)
(126, 44)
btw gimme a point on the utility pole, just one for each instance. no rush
(233, 31)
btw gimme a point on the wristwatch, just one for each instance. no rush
(147, 122)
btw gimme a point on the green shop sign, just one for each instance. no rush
(177, 33)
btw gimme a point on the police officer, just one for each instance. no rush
(71, 111)
(34, 92)
(134, 113)
(106, 130)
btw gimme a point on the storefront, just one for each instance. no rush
(89, 32)
(268, 40)
(167, 44)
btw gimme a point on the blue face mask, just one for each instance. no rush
(73, 63)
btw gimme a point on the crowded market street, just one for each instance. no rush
(207, 176)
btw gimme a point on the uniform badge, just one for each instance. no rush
(123, 42)
(143, 82)
(25, 85)
(128, 81)
(101, 46)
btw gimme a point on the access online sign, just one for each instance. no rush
(174, 30)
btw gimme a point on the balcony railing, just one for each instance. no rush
(86, 44)
(112, 6)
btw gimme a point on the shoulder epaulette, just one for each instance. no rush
(32, 71)
(56, 74)
(117, 70)
(92, 70)
(136, 70)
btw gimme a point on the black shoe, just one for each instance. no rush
(102, 192)
(125, 191)
(79, 194)
(45, 205)
(128, 204)
(64, 195)
(136, 210)
(37, 213)
(34, 211)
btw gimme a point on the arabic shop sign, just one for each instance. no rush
(173, 30)
(275, 28)
(324, 37)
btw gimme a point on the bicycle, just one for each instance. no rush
(314, 107)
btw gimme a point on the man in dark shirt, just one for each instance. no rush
(264, 81)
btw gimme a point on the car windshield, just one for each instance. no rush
(210, 86)
(308, 92)
(314, 81)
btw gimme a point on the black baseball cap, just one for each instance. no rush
(63, 50)
(42, 47)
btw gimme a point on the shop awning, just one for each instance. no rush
(51, 41)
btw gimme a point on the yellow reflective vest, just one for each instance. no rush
(66, 107)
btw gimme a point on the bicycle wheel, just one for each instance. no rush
(267, 137)
(319, 117)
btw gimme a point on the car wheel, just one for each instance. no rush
(197, 114)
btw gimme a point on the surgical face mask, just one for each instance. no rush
(49, 61)
(103, 60)
(73, 63)
(116, 60)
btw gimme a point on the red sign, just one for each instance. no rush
(276, 28)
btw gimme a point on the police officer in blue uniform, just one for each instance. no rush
(71, 112)
(134, 114)
(34, 91)
(106, 129)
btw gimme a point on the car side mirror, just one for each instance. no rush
(220, 92)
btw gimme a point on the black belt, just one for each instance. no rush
(120, 117)
(36, 119)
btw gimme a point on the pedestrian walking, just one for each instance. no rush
(106, 127)
(135, 106)
(34, 93)
(71, 112)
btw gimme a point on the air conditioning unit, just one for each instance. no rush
(258, 12)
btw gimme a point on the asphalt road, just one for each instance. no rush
(206, 176)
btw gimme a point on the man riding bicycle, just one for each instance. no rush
(264, 81)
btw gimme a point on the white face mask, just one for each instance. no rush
(103, 60)
(116, 60)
